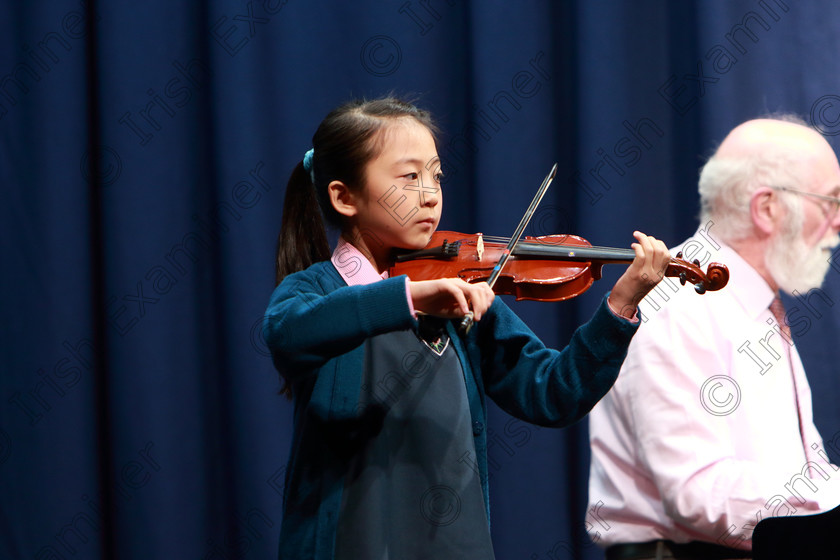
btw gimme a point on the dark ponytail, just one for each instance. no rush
(303, 239)
(343, 145)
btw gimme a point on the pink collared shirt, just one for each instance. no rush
(357, 270)
(700, 436)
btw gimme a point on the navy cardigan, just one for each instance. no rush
(316, 327)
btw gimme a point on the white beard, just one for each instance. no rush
(793, 264)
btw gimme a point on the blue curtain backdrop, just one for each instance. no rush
(144, 155)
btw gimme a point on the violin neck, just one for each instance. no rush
(574, 253)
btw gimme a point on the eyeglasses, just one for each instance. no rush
(833, 207)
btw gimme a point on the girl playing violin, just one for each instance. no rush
(389, 453)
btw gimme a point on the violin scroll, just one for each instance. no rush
(715, 277)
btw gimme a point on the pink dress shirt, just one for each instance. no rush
(700, 437)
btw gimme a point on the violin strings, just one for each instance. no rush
(498, 239)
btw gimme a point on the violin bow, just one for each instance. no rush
(467, 321)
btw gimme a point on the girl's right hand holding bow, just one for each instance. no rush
(451, 298)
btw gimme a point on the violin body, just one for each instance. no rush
(545, 268)
(524, 277)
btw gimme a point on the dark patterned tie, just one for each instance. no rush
(777, 308)
(432, 332)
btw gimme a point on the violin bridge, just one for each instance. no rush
(479, 247)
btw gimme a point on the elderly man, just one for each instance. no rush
(709, 427)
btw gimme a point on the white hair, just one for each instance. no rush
(728, 182)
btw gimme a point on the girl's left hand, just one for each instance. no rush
(646, 270)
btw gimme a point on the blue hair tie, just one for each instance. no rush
(307, 163)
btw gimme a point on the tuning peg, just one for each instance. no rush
(682, 278)
(679, 255)
(696, 262)
(700, 288)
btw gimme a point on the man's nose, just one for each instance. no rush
(835, 221)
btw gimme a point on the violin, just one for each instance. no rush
(544, 268)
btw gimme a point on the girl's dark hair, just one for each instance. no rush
(343, 145)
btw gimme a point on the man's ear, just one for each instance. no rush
(765, 210)
(342, 199)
